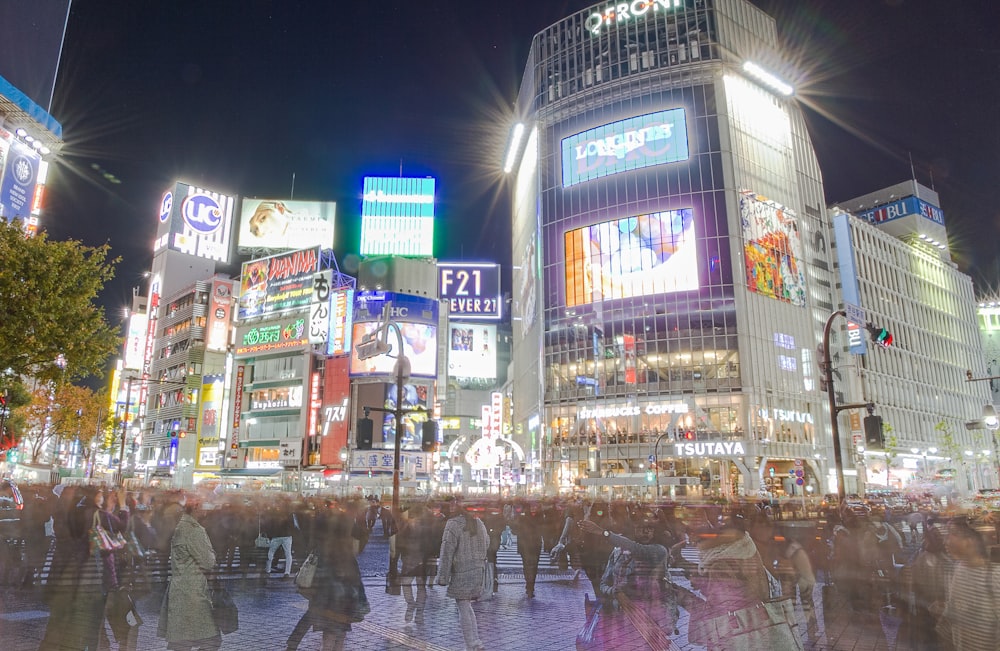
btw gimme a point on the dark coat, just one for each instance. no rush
(338, 591)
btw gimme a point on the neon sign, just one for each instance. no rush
(626, 11)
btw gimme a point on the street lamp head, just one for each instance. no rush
(932, 450)
(990, 418)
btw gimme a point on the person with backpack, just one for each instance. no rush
(636, 601)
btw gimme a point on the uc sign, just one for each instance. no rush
(202, 213)
(471, 289)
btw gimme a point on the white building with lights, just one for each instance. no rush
(906, 281)
(672, 257)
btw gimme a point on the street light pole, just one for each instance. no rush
(656, 456)
(402, 366)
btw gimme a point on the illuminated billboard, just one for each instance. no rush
(135, 342)
(338, 341)
(278, 283)
(196, 221)
(417, 319)
(472, 351)
(20, 165)
(634, 256)
(471, 289)
(220, 315)
(288, 334)
(397, 216)
(631, 144)
(285, 224)
(772, 249)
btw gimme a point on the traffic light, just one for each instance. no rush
(874, 438)
(879, 335)
(650, 477)
(428, 436)
(364, 433)
(688, 435)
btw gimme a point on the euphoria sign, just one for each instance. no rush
(471, 289)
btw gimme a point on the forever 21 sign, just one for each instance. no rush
(472, 289)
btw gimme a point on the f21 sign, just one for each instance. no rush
(472, 289)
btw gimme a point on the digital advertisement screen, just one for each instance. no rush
(197, 222)
(338, 340)
(472, 351)
(772, 249)
(634, 256)
(419, 346)
(286, 224)
(397, 216)
(278, 283)
(414, 395)
(471, 289)
(631, 144)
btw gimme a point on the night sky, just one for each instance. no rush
(240, 95)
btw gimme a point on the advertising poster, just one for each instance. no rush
(630, 144)
(135, 342)
(772, 249)
(341, 322)
(285, 224)
(413, 396)
(471, 289)
(634, 256)
(196, 221)
(20, 171)
(527, 287)
(472, 351)
(208, 423)
(278, 283)
(220, 315)
(415, 316)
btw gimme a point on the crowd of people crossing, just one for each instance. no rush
(731, 577)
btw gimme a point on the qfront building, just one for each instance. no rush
(672, 267)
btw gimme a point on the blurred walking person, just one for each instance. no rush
(462, 567)
(972, 606)
(527, 525)
(186, 615)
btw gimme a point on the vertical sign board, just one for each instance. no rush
(220, 315)
(341, 322)
(234, 440)
(319, 310)
(848, 273)
(20, 167)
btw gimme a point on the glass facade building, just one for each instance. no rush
(672, 268)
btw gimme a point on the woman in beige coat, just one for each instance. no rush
(462, 567)
(186, 615)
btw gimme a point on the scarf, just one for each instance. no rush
(741, 549)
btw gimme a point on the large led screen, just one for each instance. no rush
(415, 316)
(772, 249)
(397, 216)
(419, 346)
(285, 224)
(631, 144)
(634, 256)
(472, 351)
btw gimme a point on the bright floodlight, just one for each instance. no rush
(990, 417)
(514, 147)
(767, 78)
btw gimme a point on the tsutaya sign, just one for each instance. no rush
(622, 12)
(710, 449)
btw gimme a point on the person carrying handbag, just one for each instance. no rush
(738, 612)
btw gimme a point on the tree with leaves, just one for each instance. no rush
(57, 413)
(51, 327)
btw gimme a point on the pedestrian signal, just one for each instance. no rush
(364, 433)
(874, 438)
(428, 435)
